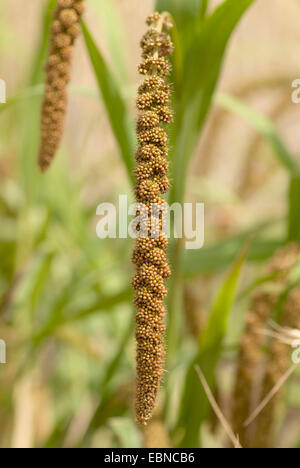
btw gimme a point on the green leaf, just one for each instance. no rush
(187, 19)
(38, 91)
(264, 126)
(217, 324)
(28, 93)
(294, 210)
(59, 318)
(195, 405)
(121, 123)
(220, 255)
(113, 28)
(185, 14)
(111, 370)
(204, 8)
(201, 73)
(126, 432)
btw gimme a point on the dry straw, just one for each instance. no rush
(220, 416)
(65, 29)
(151, 176)
(278, 364)
(248, 362)
(250, 356)
(156, 435)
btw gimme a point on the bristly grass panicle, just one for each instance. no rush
(149, 256)
(257, 317)
(279, 361)
(248, 363)
(65, 29)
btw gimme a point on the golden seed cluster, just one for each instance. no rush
(65, 29)
(151, 171)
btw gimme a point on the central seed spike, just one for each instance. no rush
(149, 256)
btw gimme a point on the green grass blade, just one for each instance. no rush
(111, 370)
(118, 114)
(264, 126)
(111, 22)
(294, 210)
(201, 73)
(204, 8)
(220, 255)
(187, 19)
(58, 319)
(195, 405)
(38, 91)
(29, 93)
(185, 14)
(216, 328)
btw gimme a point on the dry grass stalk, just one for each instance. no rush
(234, 439)
(65, 29)
(253, 340)
(156, 435)
(278, 365)
(151, 175)
(271, 395)
(248, 361)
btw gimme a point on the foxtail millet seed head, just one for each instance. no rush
(64, 30)
(149, 256)
(65, 3)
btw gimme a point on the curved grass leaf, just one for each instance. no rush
(38, 91)
(100, 414)
(111, 22)
(195, 406)
(264, 126)
(201, 73)
(185, 14)
(220, 255)
(29, 93)
(58, 318)
(121, 123)
(203, 9)
(187, 18)
(294, 210)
